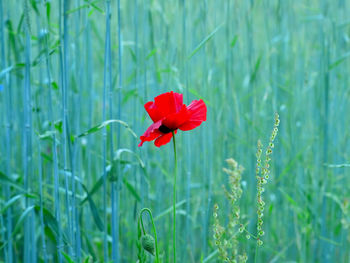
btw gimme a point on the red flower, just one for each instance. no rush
(168, 114)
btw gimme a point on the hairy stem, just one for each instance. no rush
(174, 198)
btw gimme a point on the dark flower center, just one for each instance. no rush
(164, 129)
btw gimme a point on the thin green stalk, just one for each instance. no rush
(256, 252)
(28, 255)
(174, 198)
(204, 60)
(8, 106)
(74, 152)
(40, 163)
(42, 226)
(104, 134)
(62, 59)
(108, 83)
(88, 90)
(66, 136)
(136, 108)
(73, 209)
(54, 151)
(39, 121)
(185, 71)
(116, 185)
(154, 229)
(3, 229)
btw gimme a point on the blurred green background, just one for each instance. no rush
(67, 66)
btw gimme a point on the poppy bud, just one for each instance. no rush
(147, 242)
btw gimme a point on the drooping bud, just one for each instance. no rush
(148, 244)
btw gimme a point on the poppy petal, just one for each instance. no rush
(175, 120)
(151, 133)
(168, 103)
(197, 114)
(163, 105)
(164, 139)
(153, 111)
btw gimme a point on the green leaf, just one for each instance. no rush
(151, 53)
(5, 71)
(234, 41)
(54, 85)
(4, 179)
(195, 93)
(93, 207)
(336, 199)
(129, 94)
(77, 9)
(87, 259)
(93, 5)
(51, 222)
(90, 247)
(104, 124)
(21, 219)
(94, 189)
(342, 165)
(33, 3)
(48, 10)
(20, 23)
(339, 61)
(118, 154)
(11, 68)
(67, 257)
(50, 234)
(205, 40)
(133, 55)
(169, 210)
(58, 126)
(12, 200)
(131, 189)
(46, 135)
(291, 201)
(95, 214)
(256, 68)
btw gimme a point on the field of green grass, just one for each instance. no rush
(74, 78)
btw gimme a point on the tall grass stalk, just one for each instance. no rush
(41, 35)
(206, 188)
(29, 250)
(325, 121)
(88, 70)
(188, 174)
(8, 105)
(117, 185)
(57, 202)
(75, 165)
(104, 133)
(63, 81)
(41, 203)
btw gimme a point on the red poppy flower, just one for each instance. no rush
(168, 114)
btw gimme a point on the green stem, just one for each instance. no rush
(154, 229)
(174, 198)
(256, 252)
